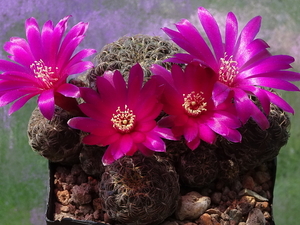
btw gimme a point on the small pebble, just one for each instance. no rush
(262, 177)
(213, 211)
(267, 215)
(247, 192)
(237, 186)
(265, 186)
(71, 179)
(64, 208)
(245, 204)
(232, 195)
(216, 197)
(248, 182)
(63, 197)
(86, 209)
(97, 214)
(226, 190)
(264, 206)
(192, 206)
(235, 215)
(256, 217)
(80, 194)
(204, 219)
(106, 218)
(89, 217)
(97, 204)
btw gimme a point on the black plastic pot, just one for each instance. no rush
(273, 175)
(68, 221)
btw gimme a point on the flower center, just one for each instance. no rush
(44, 73)
(228, 70)
(194, 104)
(123, 121)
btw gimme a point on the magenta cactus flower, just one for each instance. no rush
(243, 63)
(121, 117)
(187, 100)
(41, 66)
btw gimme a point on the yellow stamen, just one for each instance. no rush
(194, 104)
(44, 73)
(228, 70)
(123, 121)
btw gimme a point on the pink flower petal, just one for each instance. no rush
(46, 103)
(112, 87)
(246, 109)
(147, 109)
(190, 130)
(91, 140)
(247, 34)
(20, 103)
(145, 126)
(223, 130)
(243, 105)
(181, 58)
(154, 143)
(283, 75)
(33, 35)
(108, 157)
(10, 66)
(105, 130)
(206, 134)
(196, 44)
(194, 143)
(220, 93)
(279, 102)
(80, 55)
(271, 83)
(107, 140)
(181, 120)
(212, 30)
(76, 31)
(11, 96)
(164, 133)
(228, 119)
(89, 95)
(83, 123)
(144, 150)
(65, 55)
(167, 121)
(95, 112)
(18, 54)
(135, 82)
(231, 32)
(20, 77)
(56, 38)
(179, 79)
(47, 39)
(272, 63)
(138, 137)
(251, 51)
(260, 118)
(162, 72)
(116, 150)
(69, 90)
(126, 144)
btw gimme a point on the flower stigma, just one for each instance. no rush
(123, 121)
(228, 70)
(194, 103)
(44, 73)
